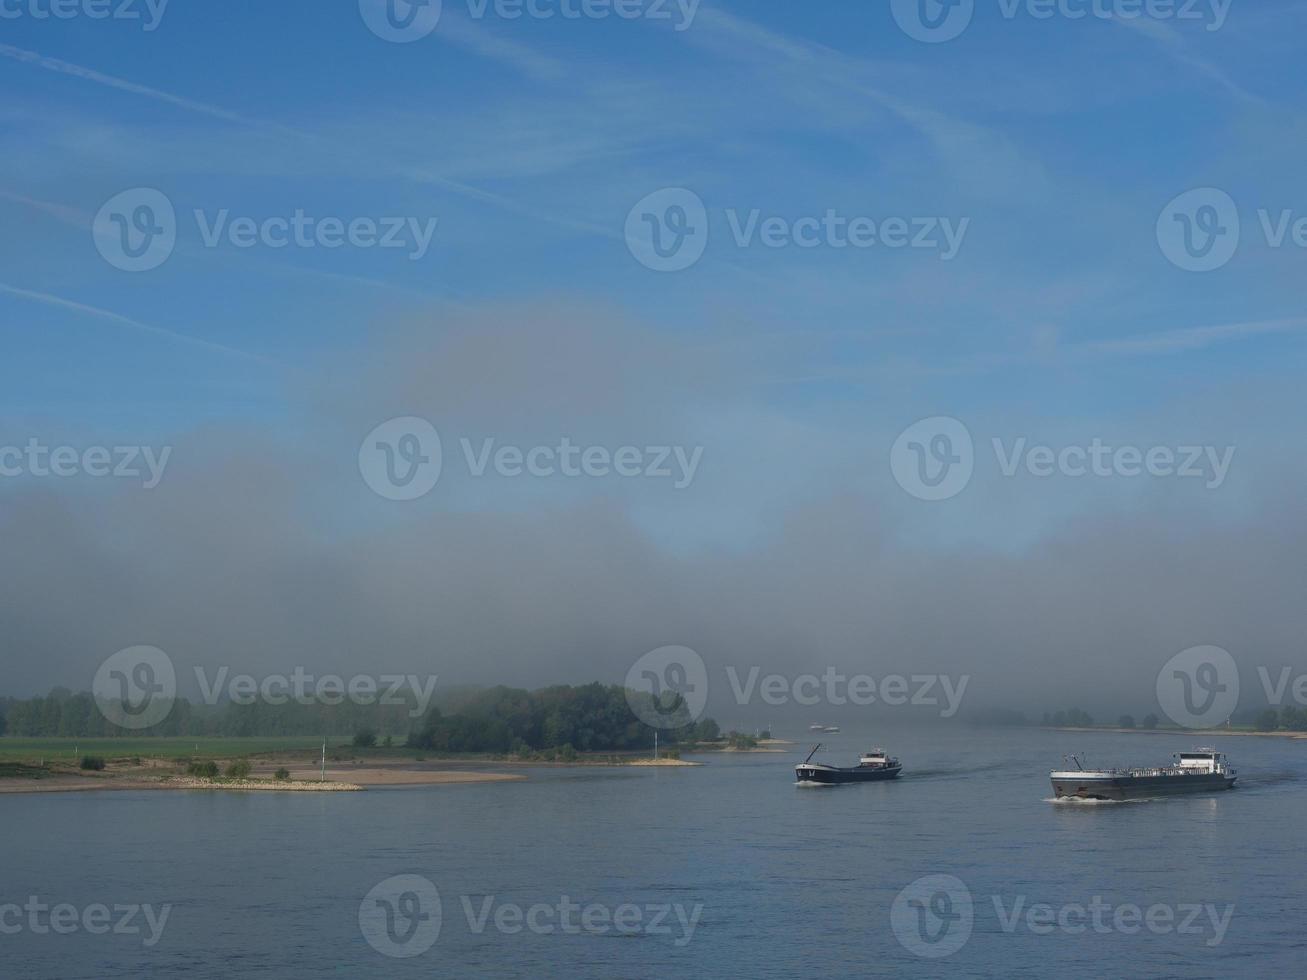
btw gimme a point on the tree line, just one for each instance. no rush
(589, 718)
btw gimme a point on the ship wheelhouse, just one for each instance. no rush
(878, 758)
(1204, 760)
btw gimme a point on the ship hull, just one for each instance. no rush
(1084, 786)
(829, 775)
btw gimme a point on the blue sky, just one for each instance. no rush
(1052, 146)
(1059, 140)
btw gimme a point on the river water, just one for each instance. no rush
(963, 867)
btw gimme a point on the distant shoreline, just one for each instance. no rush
(306, 775)
(1193, 733)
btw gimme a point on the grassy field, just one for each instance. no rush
(71, 749)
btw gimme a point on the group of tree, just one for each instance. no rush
(1128, 721)
(1071, 718)
(62, 713)
(1289, 718)
(589, 718)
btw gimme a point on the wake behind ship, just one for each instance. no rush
(1203, 770)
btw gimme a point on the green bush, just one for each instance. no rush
(283, 774)
(365, 739)
(239, 769)
(203, 770)
(93, 762)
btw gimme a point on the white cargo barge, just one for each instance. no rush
(1203, 770)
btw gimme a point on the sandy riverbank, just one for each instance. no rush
(660, 762)
(78, 783)
(302, 780)
(398, 776)
(305, 774)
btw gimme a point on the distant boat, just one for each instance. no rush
(872, 766)
(832, 730)
(816, 728)
(1200, 771)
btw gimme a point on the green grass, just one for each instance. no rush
(33, 750)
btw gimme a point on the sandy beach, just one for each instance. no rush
(400, 776)
(661, 762)
(303, 779)
(365, 772)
